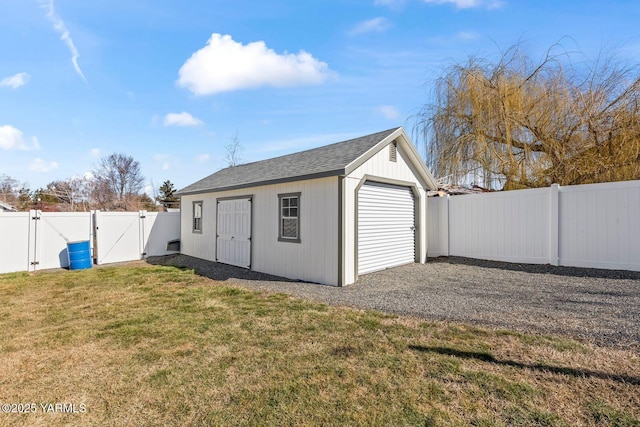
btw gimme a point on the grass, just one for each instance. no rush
(148, 345)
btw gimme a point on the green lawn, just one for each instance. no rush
(146, 345)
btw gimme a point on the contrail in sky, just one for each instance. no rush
(59, 26)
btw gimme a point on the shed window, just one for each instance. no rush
(289, 217)
(197, 217)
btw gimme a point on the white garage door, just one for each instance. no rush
(233, 244)
(386, 227)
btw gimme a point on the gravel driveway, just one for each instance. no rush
(598, 306)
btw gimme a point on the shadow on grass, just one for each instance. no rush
(213, 270)
(540, 268)
(542, 367)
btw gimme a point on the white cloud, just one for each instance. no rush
(65, 36)
(392, 4)
(39, 165)
(225, 65)
(15, 81)
(459, 37)
(181, 119)
(13, 139)
(378, 25)
(95, 152)
(468, 4)
(466, 35)
(203, 158)
(388, 111)
(166, 166)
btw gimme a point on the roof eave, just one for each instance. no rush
(325, 174)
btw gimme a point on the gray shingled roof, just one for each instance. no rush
(329, 160)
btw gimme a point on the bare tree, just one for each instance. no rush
(518, 123)
(233, 150)
(12, 191)
(69, 195)
(118, 181)
(8, 188)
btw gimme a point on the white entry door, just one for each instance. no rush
(386, 227)
(233, 244)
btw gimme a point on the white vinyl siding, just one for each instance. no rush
(386, 227)
(314, 259)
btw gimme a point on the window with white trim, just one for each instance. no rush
(289, 217)
(197, 217)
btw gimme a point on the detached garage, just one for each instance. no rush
(325, 215)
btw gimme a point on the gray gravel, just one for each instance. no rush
(597, 306)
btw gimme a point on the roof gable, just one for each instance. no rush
(329, 160)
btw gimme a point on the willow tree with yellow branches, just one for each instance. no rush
(517, 123)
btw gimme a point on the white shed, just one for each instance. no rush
(324, 215)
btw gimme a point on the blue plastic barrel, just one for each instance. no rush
(79, 255)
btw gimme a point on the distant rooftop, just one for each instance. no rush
(7, 207)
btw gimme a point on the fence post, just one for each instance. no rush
(448, 226)
(34, 237)
(96, 236)
(141, 240)
(554, 230)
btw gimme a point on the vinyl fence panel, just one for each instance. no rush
(438, 226)
(159, 228)
(508, 226)
(595, 225)
(600, 225)
(16, 241)
(38, 240)
(55, 230)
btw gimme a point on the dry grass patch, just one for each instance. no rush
(149, 345)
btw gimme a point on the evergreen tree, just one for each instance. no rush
(167, 196)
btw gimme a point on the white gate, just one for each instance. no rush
(386, 227)
(56, 229)
(119, 236)
(16, 241)
(233, 236)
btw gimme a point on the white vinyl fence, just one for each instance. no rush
(594, 225)
(38, 240)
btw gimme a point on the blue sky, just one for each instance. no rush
(171, 83)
